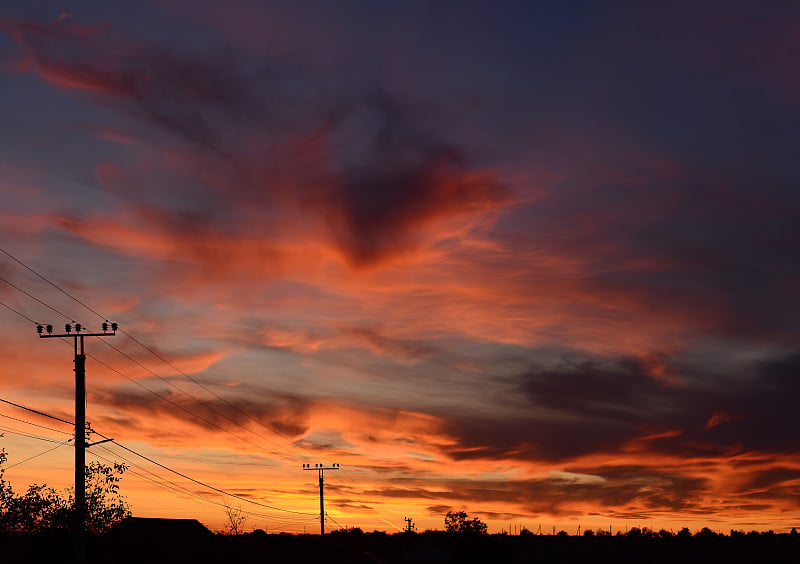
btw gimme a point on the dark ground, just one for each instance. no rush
(434, 547)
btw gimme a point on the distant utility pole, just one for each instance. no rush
(409, 524)
(320, 468)
(80, 421)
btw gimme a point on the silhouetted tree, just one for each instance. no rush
(459, 522)
(42, 508)
(236, 519)
(105, 506)
(39, 509)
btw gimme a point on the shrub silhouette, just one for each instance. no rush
(42, 508)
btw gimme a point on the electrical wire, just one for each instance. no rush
(191, 397)
(208, 389)
(153, 352)
(160, 357)
(28, 435)
(43, 414)
(182, 475)
(168, 400)
(162, 397)
(204, 404)
(134, 452)
(38, 455)
(160, 481)
(34, 424)
(15, 259)
(175, 404)
(334, 520)
(34, 298)
(5, 305)
(205, 485)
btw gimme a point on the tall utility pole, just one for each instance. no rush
(320, 468)
(80, 421)
(409, 524)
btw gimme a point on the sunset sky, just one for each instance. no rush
(533, 260)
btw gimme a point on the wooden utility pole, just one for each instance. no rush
(80, 422)
(320, 468)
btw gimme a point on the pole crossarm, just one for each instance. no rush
(320, 467)
(76, 330)
(62, 335)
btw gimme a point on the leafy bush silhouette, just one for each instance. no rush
(43, 509)
(459, 522)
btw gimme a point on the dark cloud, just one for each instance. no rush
(285, 415)
(575, 409)
(189, 96)
(587, 407)
(773, 477)
(366, 166)
(765, 408)
(607, 489)
(401, 177)
(408, 493)
(439, 509)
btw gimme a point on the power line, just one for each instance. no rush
(178, 370)
(182, 475)
(130, 336)
(191, 397)
(43, 414)
(38, 455)
(208, 422)
(28, 435)
(170, 485)
(35, 298)
(15, 259)
(161, 358)
(204, 420)
(5, 305)
(211, 391)
(34, 424)
(334, 520)
(165, 398)
(205, 485)
(152, 351)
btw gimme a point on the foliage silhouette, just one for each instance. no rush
(459, 522)
(43, 509)
(236, 519)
